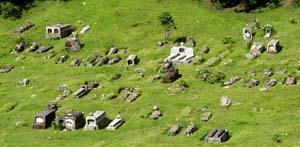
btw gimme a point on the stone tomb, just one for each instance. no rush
(132, 60)
(43, 49)
(96, 121)
(6, 69)
(116, 123)
(44, 119)
(180, 54)
(85, 89)
(247, 34)
(217, 136)
(58, 31)
(73, 44)
(273, 47)
(72, 120)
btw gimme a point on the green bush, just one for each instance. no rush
(9, 10)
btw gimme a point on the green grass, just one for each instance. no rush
(112, 23)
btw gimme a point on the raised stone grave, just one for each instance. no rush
(6, 69)
(34, 46)
(180, 55)
(58, 31)
(72, 120)
(129, 94)
(255, 50)
(116, 123)
(132, 60)
(290, 81)
(252, 83)
(112, 51)
(232, 81)
(44, 119)
(174, 130)
(43, 49)
(73, 44)
(62, 59)
(155, 113)
(76, 61)
(114, 60)
(85, 89)
(171, 76)
(96, 120)
(247, 34)
(273, 47)
(217, 136)
(24, 28)
(85, 29)
(206, 116)
(191, 128)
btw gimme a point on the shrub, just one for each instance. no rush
(9, 10)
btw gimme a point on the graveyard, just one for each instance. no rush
(101, 73)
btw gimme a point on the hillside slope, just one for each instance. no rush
(267, 118)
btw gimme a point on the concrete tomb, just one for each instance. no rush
(273, 47)
(114, 60)
(72, 120)
(174, 130)
(96, 120)
(43, 49)
(252, 83)
(132, 60)
(19, 47)
(24, 28)
(6, 69)
(217, 136)
(190, 129)
(44, 119)
(58, 31)
(112, 51)
(73, 44)
(85, 89)
(155, 113)
(180, 55)
(76, 61)
(268, 32)
(171, 76)
(232, 81)
(116, 123)
(34, 46)
(62, 59)
(255, 50)
(290, 81)
(206, 116)
(247, 34)
(129, 94)
(85, 29)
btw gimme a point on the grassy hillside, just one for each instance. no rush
(133, 24)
